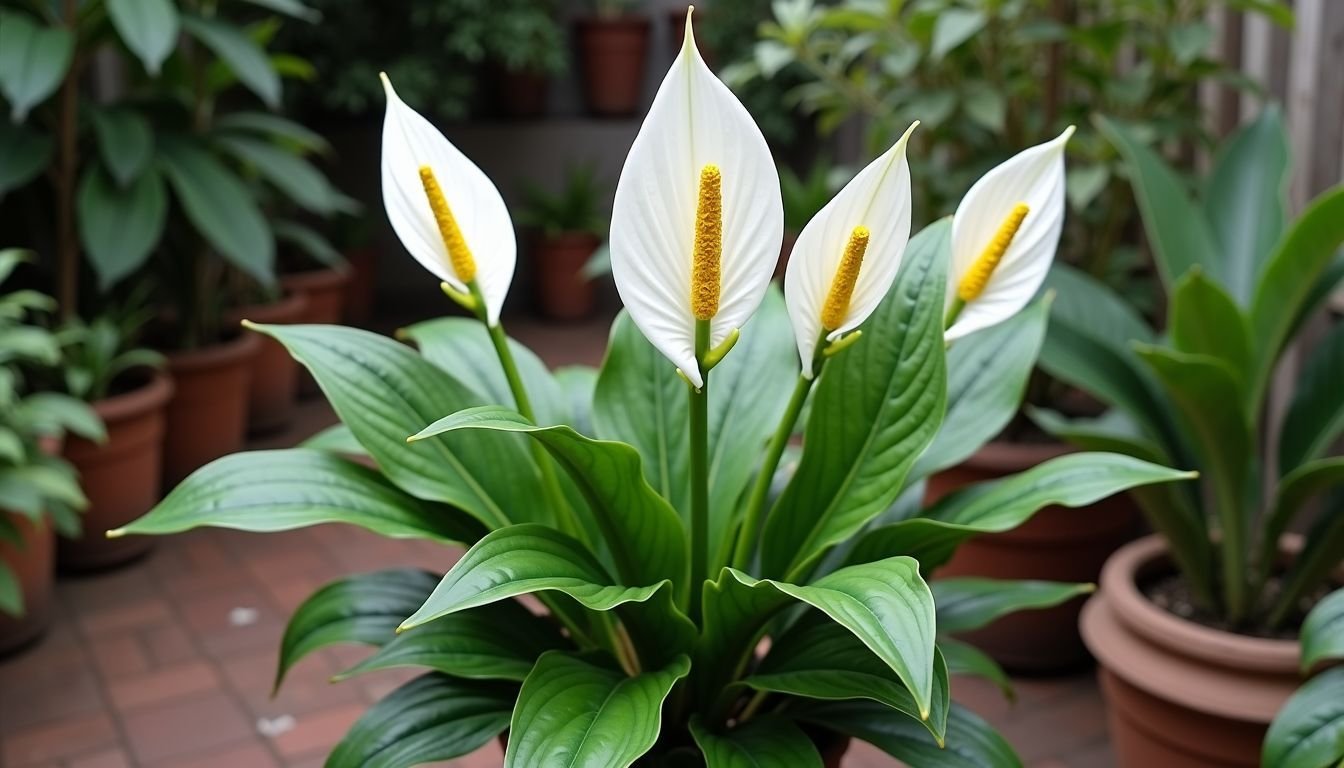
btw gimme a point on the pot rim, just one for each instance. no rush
(220, 355)
(147, 397)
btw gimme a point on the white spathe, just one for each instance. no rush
(877, 198)
(411, 142)
(1034, 176)
(694, 121)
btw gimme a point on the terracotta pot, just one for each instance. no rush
(1057, 544)
(521, 95)
(563, 291)
(359, 289)
(1180, 695)
(207, 415)
(121, 476)
(325, 289)
(33, 561)
(613, 54)
(275, 373)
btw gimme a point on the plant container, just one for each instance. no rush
(1057, 544)
(564, 291)
(275, 373)
(1180, 694)
(207, 415)
(613, 53)
(325, 290)
(32, 560)
(521, 94)
(121, 477)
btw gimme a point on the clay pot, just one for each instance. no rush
(613, 53)
(121, 477)
(521, 95)
(359, 289)
(1180, 695)
(1057, 544)
(325, 290)
(275, 373)
(32, 560)
(563, 291)
(207, 415)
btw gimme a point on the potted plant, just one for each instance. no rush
(39, 492)
(659, 559)
(567, 226)
(613, 52)
(524, 47)
(1201, 625)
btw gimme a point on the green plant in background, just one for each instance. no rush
(804, 196)
(984, 76)
(575, 208)
(98, 354)
(1242, 277)
(641, 541)
(33, 482)
(170, 129)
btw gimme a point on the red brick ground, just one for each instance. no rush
(168, 663)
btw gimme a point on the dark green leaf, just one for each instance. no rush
(764, 742)
(1091, 308)
(11, 594)
(310, 242)
(1315, 417)
(293, 8)
(971, 603)
(23, 155)
(295, 177)
(971, 742)
(125, 143)
(119, 228)
(431, 718)
(1204, 320)
(1309, 731)
(965, 659)
(577, 383)
(243, 56)
(148, 27)
(578, 711)
(955, 26)
(1323, 631)
(273, 126)
(33, 61)
(335, 439)
(1244, 200)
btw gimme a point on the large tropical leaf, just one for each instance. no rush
(240, 53)
(125, 143)
(1309, 731)
(33, 61)
(291, 174)
(877, 407)
(1094, 309)
(148, 27)
(971, 742)
(119, 228)
(971, 603)
(580, 711)
(763, 742)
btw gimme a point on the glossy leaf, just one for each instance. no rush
(965, 604)
(1315, 416)
(644, 534)
(364, 609)
(431, 718)
(119, 228)
(125, 143)
(148, 27)
(971, 742)
(1204, 320)
(579, 711)
(1244, 200)
(461, 346)
(500, 641)
(1309, 731)
(1323, 631)
(763, 742)
(243, 57)
(987, 376)
(280, 490)
(877, 407)
(384, 391)
(33, 61)
(967, 660)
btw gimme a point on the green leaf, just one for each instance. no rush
(1176, 227)
(987, 376)
(1113, 432)
(965, 659)
(221, 207)
(295, 177)
(578, 711)
(431, 718)
(1244, 200)
(148, 27)
(461, 346)
(119, 228)
(23, 155)
(243, 56)
(819, 659)
(1075, 480)
(335, 439)
(1295, 490)
(1093, 309)
(971, 742)
(644, 534)
(1309, 731)
(877, 407)
(985, 106)
(384, 391)
(500, 641)
(1315, 416)
(308, 240)
(1204, 320)
(125, 143)
(577, 383)
(763, 742)
(281, 490)
(272, 126)
(33, 61)
(53, 413)
(970, 603)
(364, 609)
(11, 594)
(954, 27)
(1286, 281)
(293, 8)
(1323, 631)
(1188, 41)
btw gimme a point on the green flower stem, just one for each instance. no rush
(953, 312)
(699, 409)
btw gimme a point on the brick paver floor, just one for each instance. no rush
(168, 662)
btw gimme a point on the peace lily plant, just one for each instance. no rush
(632, 505)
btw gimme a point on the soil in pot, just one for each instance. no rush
(325, 290)
(564, 292)
(613, 54)
(1057, 544)
(275, 373)
(1180, 694)
(207, 415)
(121, 477)
(32, 560)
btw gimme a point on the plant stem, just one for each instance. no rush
(953, 312)
(699, 410)
(751, 524)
